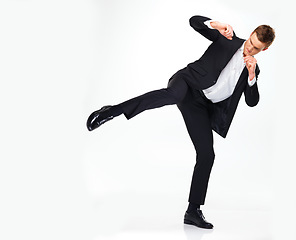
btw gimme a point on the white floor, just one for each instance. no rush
(166, 222)
(161, 220)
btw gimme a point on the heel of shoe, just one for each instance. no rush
(186, 221)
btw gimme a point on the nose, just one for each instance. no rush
(250, 49)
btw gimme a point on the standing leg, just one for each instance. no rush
(196, 117)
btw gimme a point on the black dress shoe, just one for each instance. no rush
(98, 118)
(196, 218)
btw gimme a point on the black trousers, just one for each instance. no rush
(194, 108)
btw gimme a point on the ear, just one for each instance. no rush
(264, 49)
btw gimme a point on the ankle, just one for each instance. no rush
(193, 207)
(116, 110)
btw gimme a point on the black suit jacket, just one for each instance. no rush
(204, 73)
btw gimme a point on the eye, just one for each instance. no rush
(253, 45)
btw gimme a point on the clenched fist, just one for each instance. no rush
(225, 29)
(251, 65)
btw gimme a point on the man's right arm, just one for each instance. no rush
(225, 29)
(211, 32)
(197, 23)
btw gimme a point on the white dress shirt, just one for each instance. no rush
(228, 78)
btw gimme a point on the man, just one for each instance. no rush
(207, 93)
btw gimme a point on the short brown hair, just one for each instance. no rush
(265, 34)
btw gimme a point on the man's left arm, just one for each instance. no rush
(251, 91)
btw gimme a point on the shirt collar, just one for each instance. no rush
(242, 46)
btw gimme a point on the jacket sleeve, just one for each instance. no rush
(252, 93)
(197, 23)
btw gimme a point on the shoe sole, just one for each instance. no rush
(194, 224)
(90, 125)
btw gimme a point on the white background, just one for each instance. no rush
(61, 60)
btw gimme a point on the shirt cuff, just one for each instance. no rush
(207, 23)
(252, 82)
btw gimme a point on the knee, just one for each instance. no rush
(206, 158)
(211, 157)
(177, 94)
(177, 88)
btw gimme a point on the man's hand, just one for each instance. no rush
(225, 29)
(251, 65)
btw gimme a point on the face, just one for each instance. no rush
(253, 45)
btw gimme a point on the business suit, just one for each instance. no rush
(204, 73)
(201, 116)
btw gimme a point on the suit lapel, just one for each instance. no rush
(242, 78)
(237, 42)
